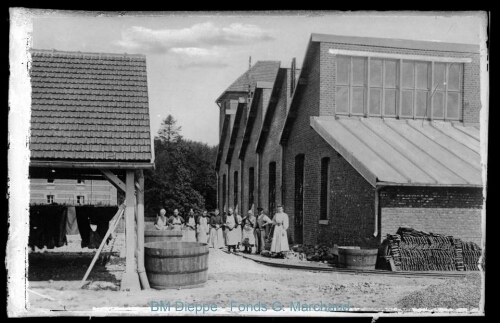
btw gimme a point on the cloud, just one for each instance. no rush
(202, 64)
(203, 35)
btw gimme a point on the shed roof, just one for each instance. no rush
(89, 107)
(406, 152)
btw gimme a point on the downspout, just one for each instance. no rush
(258, 181)
(377, 204)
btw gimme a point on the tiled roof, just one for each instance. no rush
(89, 107)
(409, 152)
(262, 71)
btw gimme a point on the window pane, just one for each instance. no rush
(375, 97)
(453, 106)
(343, 65)
(407, 104)
(375, 72)
(439, 75)
(422, 75)
(454, 77)
(438, 105)
(390, 74)
(358, 71)
(421, 103)
(358, 99)
(342, 99)
(408, 76)
(390, 103)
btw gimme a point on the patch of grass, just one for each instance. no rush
(451, 294)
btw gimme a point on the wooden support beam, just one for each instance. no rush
(140, 230)
(130, 279)
(113, 179)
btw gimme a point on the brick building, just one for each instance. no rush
(372, 135)
(72, 192)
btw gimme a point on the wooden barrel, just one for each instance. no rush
(357, 258)
(162, 235)
(176, 264)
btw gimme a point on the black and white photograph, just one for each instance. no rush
(246, 163)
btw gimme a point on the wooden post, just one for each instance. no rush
(130, 280)
(140, 231)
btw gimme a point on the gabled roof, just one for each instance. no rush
(368, 41)
(89, 107)
(406, 152)
(262, 71)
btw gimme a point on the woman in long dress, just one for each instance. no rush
(280, 238)
(190, 228)
(176, 221)
(231, 234)
(216, 239)
(202, 228)
(238, 228)
(248, 237)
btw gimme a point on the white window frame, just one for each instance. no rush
(80, 199)
(399, 58)
(50, 198)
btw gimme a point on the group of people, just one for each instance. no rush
(230, 230)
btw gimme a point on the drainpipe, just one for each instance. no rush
(377, 204)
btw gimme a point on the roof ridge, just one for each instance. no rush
(246, 75)
(53, 51)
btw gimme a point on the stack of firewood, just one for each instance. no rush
(471, 254)
(417, 250)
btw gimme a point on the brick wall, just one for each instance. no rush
(351, 208)
(449, 211)
(471, 104)
(235, 162)
(304, 140)
(458, 222)
(272, 149)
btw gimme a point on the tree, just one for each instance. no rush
(184, 177)
(169, 131)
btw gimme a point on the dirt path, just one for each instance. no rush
(232, 280)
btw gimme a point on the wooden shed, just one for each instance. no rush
(90, 120)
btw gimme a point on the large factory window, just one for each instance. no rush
(398, 88)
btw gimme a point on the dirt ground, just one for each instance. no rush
(234, 283)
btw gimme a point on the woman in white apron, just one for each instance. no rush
(190, 228)
(238, 228)
(202, 228)
(248, 237)
(216, 239)
(161, 221)
(176, 221)
(280, 238)
(231, 234)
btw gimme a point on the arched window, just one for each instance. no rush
(223, 192)
(235, 195)
(251, 187)
(272, 188)
(324, 191)
(299, 197)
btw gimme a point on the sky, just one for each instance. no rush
(192, 58)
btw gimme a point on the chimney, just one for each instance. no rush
(292, 82)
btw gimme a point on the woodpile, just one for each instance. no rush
(414, 250)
